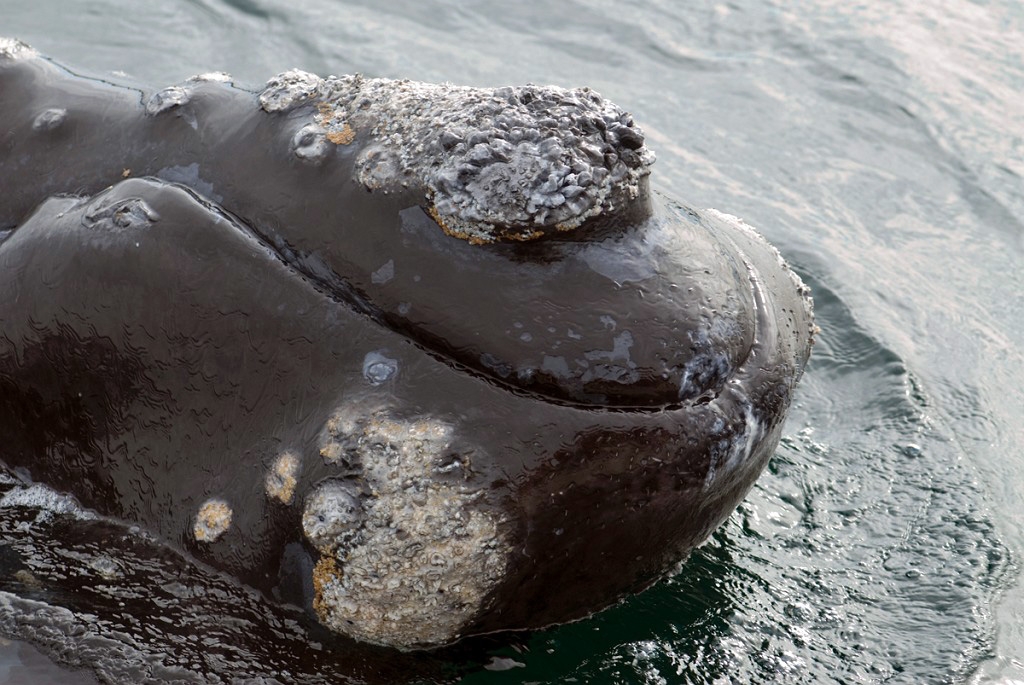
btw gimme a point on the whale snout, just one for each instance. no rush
(437, 355)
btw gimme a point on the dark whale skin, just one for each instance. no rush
(212, 326)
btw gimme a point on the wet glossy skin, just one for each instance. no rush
(609, 394)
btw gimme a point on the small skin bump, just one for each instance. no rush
(166, 99)
(49, 119)
(310, 144)
(331, 511)
(282, 477)
(212, 521)
(378, 368)
(130, 213)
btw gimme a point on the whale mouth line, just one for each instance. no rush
(328, 283)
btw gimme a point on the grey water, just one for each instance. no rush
(880, 146)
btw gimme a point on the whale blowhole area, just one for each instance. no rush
(509, 163)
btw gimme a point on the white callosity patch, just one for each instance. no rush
(49, 119)
(333, 514)
(512, 162)
(288, 90)
(212, 520)
(12, 48)
(168, 98)
(282, 477)
(409, 549)
(379, 368)
(107, 568)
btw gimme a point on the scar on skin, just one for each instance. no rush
(281, 478)
(212, 521)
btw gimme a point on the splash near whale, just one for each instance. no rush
(423, 361)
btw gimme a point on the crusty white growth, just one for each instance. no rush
(212, 520)
(172, 96)
(282, 477)
(12, 48)
(288, 90)
(414, 562)
(512, 162)
(333, 513)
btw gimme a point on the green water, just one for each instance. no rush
(880, 147)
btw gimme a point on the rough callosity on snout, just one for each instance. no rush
(512, 162)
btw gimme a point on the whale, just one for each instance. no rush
(423, 361)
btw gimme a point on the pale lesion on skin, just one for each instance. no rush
(212, 520)
(283, 477)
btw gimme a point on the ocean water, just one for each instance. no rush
(880, 147)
